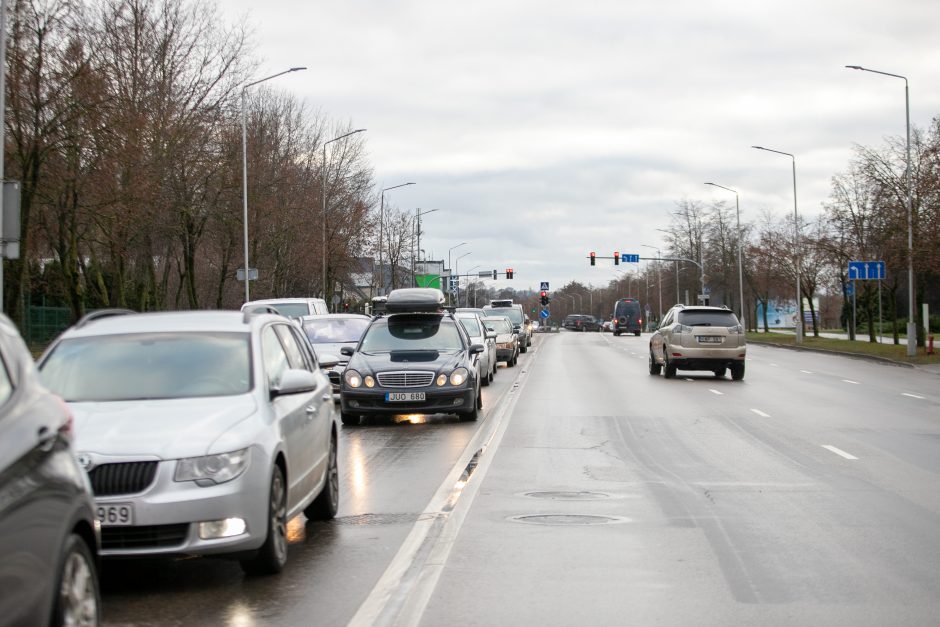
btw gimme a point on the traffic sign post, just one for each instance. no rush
(867, 271)
(630, 258)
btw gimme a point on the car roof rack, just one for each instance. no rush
(101, 313)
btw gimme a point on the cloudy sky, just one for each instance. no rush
(543, 130)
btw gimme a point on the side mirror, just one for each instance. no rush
(348, 351)
(491, 335)
(295, 381)
(476, 349)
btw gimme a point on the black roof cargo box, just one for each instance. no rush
(415, 299)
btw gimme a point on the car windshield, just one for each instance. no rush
(512, 313)
(335, 330)
(471, 325)
(500, 326)
(400, 333)
(707, 319)
(291, 310)
(149, 366)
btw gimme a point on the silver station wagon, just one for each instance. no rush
(202, 432)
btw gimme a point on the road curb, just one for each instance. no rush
(825, 351)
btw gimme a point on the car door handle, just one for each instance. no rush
(327, 397)
(310, 409)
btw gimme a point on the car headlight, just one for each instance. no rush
(459, 376)
(369, 381)
(212, 469)
(352, 378)
(441, 380)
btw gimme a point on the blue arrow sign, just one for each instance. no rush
(867, 270)
(628, 258)
(544, 313)
(850, 289)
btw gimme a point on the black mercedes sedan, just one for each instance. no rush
(414, 359)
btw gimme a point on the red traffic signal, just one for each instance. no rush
(508, 273)
(593, 258)
(616, 258)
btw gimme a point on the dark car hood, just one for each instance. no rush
(406, 360)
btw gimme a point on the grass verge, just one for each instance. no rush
(885, 351)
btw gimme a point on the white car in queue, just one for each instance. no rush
(473, 325)
(203, 432)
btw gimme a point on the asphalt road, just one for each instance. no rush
(595, 494)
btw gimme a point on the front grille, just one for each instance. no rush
(122, 478)
(144, 537)
(405, 379)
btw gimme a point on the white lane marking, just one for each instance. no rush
(773, 364)
(912, 395)
(404, 589)
(807, 371)
(690, 379)
(850, 381)
(760, 413)
(714, 391)
(838, 451)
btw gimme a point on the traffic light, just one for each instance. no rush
(495, 275)
(508, 273)
(345, 306)
(543, 298)
(616, 258)
(593, 260)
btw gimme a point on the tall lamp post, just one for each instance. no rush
(659, 278)
(911, 324)
(417, 250)
(737, 207)
(245, 164)
(798, 329)
(677, 266)
(449, 271)
(457, 273)
(382, 232)
(323, 194)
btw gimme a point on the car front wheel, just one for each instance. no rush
(79, 598)
(272, 555)
(655, 368)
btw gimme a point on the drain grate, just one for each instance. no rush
(562, 495)
(568, 519)
(377, 519)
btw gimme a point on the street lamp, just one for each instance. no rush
(417, 249)
(737, 207)
(448, 254)
(911, 324)
(323, 194)
(457, 273)
(382, 231)
(798, 329)
(659, 277)
(677, 266)
(245, 163)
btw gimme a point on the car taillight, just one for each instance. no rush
(639, 320)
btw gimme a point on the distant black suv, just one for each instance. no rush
(414, 359)
(628, 316)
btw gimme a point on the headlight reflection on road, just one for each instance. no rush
(358, 484)
(240, 616)
(296, 531)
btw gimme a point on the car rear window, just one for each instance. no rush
(707, 319)
(513, 313)
(149, 366)
(335, 330)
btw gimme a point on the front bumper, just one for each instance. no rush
(437, 401)
(167, 514)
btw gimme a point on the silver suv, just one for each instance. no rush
(699, 338)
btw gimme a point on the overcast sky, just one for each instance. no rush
(544, 130)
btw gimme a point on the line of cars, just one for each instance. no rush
(205, 432)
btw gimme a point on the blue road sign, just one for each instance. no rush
(867, 270)
(850, 288)
(544, 286)
(628, 258)
(544, 313)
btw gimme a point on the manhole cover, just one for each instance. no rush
(561, 495)
(568, 519)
